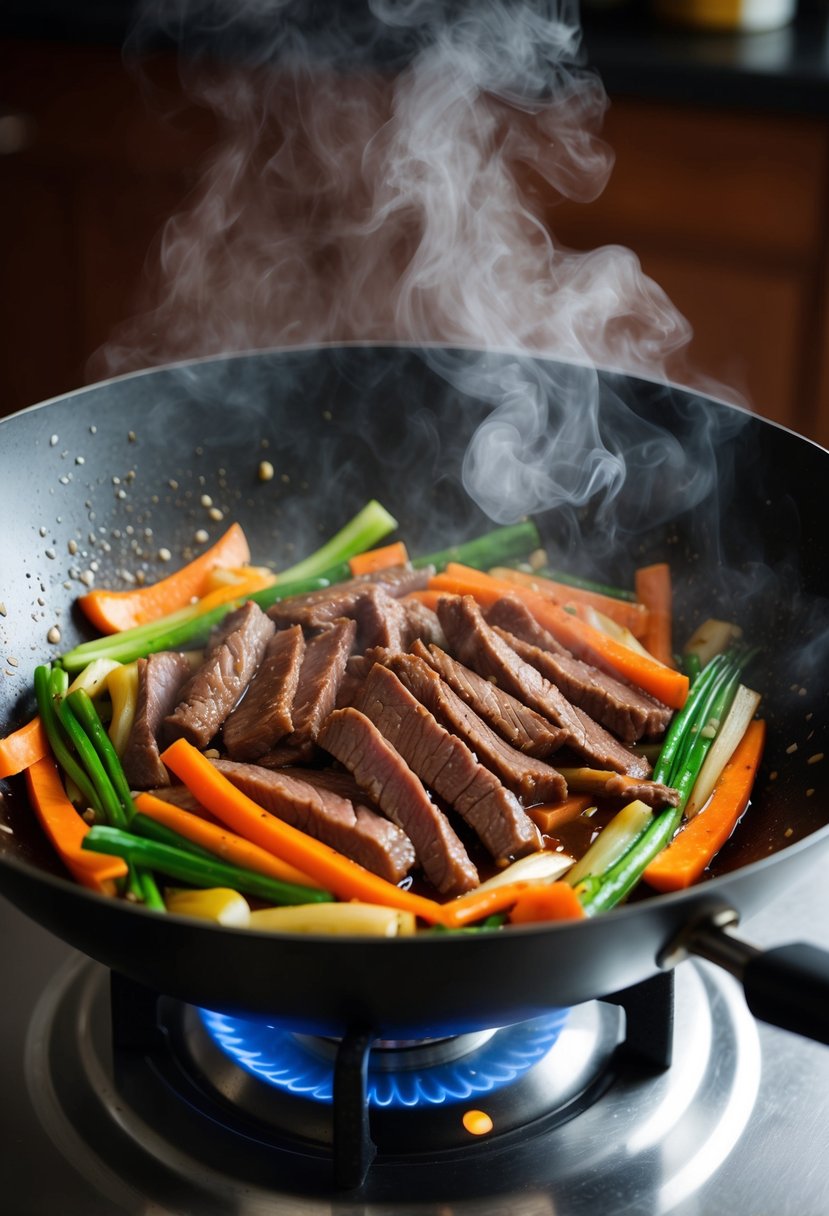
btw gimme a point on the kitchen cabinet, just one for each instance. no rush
(727, 209)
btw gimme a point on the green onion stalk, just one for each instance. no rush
(686, 745)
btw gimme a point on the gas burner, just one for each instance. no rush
(150, 1122)
(432, 1096)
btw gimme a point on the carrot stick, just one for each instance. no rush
(383, 558)
(218, 840)
(627, 613)
(66, 829)
(429, 599)
(112, 611)
(664, 683)
(477, 905)
(548, 818)
(653, 588)
(555, 901)
(691, 850)
(22, 748)
(340, 875)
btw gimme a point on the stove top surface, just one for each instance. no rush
(738, 1123)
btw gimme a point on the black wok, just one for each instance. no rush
(341, 425)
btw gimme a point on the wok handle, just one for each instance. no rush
(787, 986)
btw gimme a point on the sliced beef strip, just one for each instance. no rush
(263, 716)
(319, 608)
(626, 711)
(532, 780)
(616, 785)
(423, 625)
(445, 764)
(512, 614)
(383, 773)
(160, 677)
(477, 644)
(320, 676)
(515, 722)
(357, 832)
(394, 624)
(214, 688)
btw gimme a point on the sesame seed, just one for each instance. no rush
(265, 471)
(164, 555)
(53, 636)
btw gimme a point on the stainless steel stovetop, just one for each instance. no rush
(738, 1124)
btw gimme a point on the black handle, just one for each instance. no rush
(787, 986)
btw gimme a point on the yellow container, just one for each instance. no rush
(748, 15)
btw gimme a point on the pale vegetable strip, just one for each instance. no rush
(545, 866)
(613, 841)
(357, 919)
(743, 709)
(122, 685)
(219, 904)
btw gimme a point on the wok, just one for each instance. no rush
(111, 462)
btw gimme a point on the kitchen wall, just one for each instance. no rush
(720, 187)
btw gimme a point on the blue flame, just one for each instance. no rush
(279, 1058)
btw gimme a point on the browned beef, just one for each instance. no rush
(628, 712)
(423, 625)
(356, 832)
(159, 679)
(320, 676)
(477, 644)
(319, 608)
(616, 785)
(515, 722)
(210, 694)
(383, 773)
(446, 765)
(263, 716)
(512, 614)
(532, 780)
(381, 620)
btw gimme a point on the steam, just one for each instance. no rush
(383, 172)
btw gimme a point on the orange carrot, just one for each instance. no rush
(66, 829)
(553, 901)
(691, 850)
(627, 613)
(664, 683)
(429, 599)
(22, 748)
(334, 872)
(547, 818)
(653, 588)
(477, 905)
(386, 556)
(219, 840)
(112, 611)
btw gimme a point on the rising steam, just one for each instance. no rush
(384, 172)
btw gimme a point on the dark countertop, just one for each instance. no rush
(783, 71)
